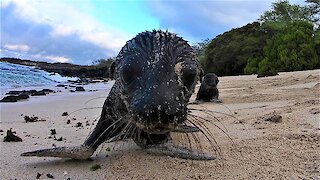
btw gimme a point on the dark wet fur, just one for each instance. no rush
(208, 90)
(156, 73)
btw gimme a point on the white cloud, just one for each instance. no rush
(17, 47)
(60, 59)
(206, 19)
(66, 20)
(57, 59)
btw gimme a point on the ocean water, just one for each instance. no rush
(14, 76)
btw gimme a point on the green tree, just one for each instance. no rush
(103, 62)
(199, 49)
(294, 49)
(252, 65)
(285, 38)
(227, 54)
(294, 43)
(284, 12)
(312, 9)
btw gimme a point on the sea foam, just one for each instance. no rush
(15, 76)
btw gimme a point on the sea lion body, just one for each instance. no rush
(155, 75)
(208, 91)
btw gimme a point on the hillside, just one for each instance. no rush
(286, 38)
(227, 54)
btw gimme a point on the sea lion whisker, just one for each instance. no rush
(207, 135)
(194, 136)
(121, 135)
(206, 110)
(181, 137)
(138, 133)
(203, 129)
(148, 135)
(134, 133)
(217, 104)
(206, 120)
(122, 120)
(197, 140)
(128, 130)
(88, 108)
(116, 127)
(210, 113)
(94, 99)
(189, 141)
(215, 118)
(197, 119)
(139, 139)
(92, 124)
(124, 132)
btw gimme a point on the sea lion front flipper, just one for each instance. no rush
(76, 152)
(177, 151)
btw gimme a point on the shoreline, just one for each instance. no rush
(58, 91)
(251, 147)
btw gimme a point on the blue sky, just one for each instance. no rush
(81, 31)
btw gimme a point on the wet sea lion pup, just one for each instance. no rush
(155, 74)
(208, 91)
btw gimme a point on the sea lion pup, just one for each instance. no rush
(208, 91)
(155, 74)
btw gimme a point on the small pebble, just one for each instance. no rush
(95, 167)
(79, 124)
(38, 175)
(50, 176)
(53, 131)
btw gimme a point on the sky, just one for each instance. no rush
(83, 31)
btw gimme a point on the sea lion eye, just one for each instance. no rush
(127, 74)
(189, 77)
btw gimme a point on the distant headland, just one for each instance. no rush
(101, 70)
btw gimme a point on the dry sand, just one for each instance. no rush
(250, 147)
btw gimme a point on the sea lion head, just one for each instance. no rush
(211, 80)
(157, 72)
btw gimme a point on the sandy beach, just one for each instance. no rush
(250, 144)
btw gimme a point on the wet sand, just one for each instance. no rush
(247, 146)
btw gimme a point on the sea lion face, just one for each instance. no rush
(158, 72)
(211, 80)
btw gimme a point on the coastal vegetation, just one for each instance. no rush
(285, 38)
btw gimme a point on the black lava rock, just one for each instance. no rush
(53, 131)
(23, 96)
(48, 90)
(80, 88)
(14, 92)
(11, 137)
(39, 93)
(9, 99)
